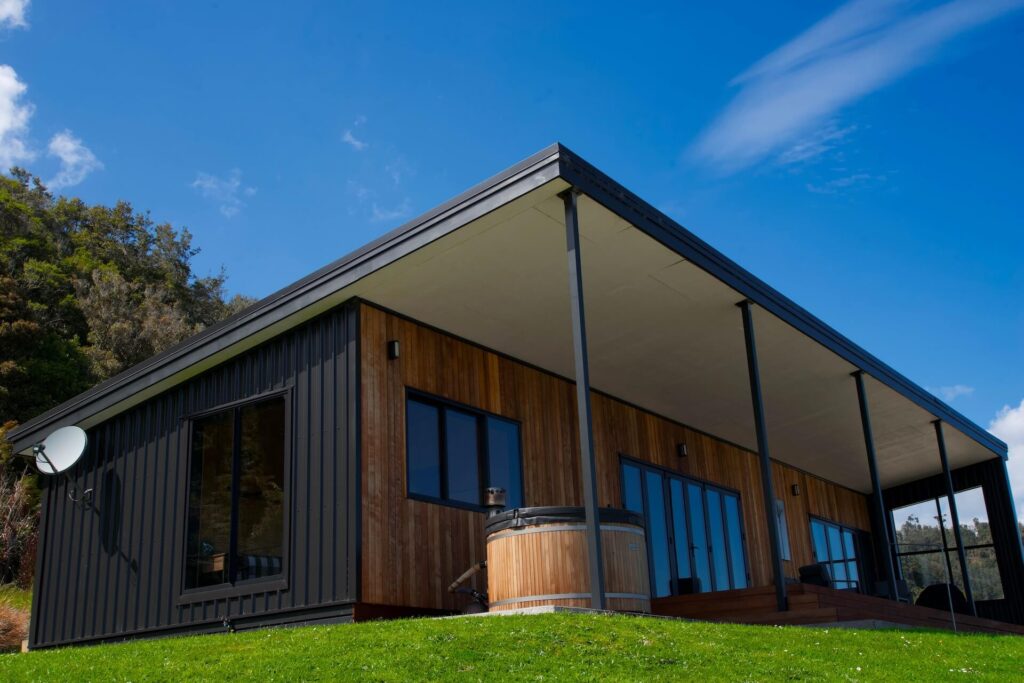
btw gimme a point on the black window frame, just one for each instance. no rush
(947, 551)
(705, 485)
(483, 448)
(261, 584)
(858, 548)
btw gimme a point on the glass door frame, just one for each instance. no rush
(667, 476)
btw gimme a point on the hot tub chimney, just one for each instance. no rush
(494, 500)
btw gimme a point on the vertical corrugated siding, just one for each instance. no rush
(116, 569)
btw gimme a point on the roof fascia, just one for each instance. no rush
(616, 198)
(115, 394)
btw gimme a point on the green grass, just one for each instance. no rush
(15, 597)
(542, 647)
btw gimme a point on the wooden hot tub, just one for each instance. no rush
(538, 556)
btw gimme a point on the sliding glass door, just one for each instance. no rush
(694, 531)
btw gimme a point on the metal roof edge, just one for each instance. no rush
(535, 170)
(615, 197)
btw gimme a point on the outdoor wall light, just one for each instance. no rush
(681, 450)
(393, 349)
(795, 488)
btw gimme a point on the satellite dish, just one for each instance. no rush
(58, 453)
(60, 450)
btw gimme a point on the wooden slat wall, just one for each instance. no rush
(412, 550)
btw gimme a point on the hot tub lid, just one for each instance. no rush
(522, 517)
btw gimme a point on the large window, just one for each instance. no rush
(835, 546)
(455, 452)
(926, 545)
(694, 531)
(236, 495)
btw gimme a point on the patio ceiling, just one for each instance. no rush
(663, 334)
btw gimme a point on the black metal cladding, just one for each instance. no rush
(991, 476)
(116, 569)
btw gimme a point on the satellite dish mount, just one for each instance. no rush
(57, 454)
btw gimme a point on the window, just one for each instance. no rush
(835, 546)
(926, 545)
(454, 453)
(236, 495)
(780, 521)
(694, 531)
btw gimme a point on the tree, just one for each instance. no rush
(86, 291)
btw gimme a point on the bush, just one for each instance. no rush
(19, 517)
(13, 627)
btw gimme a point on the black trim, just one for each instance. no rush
(761, 430)
(555, 161)
(483, 455)
(858, 547)
(233, 587)
(955, 518)
(878, 507)
(616, 198)
(667, 475)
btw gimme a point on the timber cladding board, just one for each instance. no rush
(411, 549)
(116, 570)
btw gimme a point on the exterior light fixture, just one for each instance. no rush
(681, 450)
(393, 349)
(795, 488)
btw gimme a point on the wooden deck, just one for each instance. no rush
(810, 605)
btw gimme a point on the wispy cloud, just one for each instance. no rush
(76, 160)
(399, 169)
(356, 144)
(349, 137)
(381, 214)
(12, 13)
(228, 193)
(1008, 425)
(14, 117)
(952, 392)
(787, 101)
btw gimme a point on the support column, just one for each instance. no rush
(762, 449)
(876, 485)
(948, 477)
(585, 420)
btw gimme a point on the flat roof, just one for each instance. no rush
(330, 285)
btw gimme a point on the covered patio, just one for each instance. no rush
(580, 278)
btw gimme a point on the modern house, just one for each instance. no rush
(324, 454)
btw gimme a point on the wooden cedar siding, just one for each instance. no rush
(116, 570)
(412, 550)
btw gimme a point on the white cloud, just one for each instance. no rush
(398, 168)
(849, 182)
(76, 160)
(1008, 425)
(227, 193)
(952, 392)
(794, 92)
(12, 13)
(381, 214)
(357, 144)
(349, 138)
(14, 117)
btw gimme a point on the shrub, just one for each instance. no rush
(13, 627)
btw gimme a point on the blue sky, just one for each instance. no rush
(862, 157)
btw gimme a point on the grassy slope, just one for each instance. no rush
(554, 646)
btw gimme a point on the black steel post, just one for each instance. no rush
(585, 421)
(762, 449)
(955, 517)
(876, 484)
